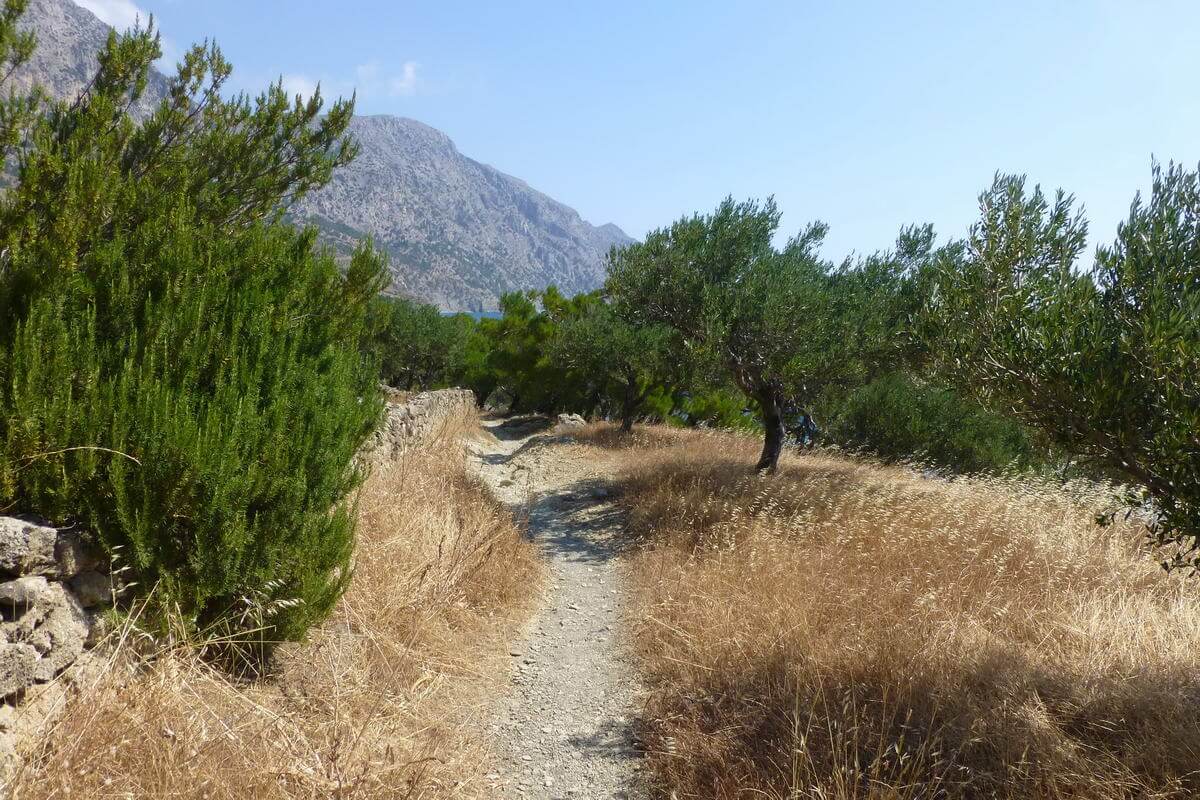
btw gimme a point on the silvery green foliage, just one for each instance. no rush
(1104, 361)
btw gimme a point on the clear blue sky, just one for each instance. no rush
(866, 115)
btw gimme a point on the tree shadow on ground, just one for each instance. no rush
(969, 732)
(520, 427)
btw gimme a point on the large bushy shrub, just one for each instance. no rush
(899, 418)
(416, 345)
(181, 371)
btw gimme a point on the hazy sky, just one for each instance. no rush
(866, 115)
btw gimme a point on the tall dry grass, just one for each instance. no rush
(386, 700)
(846, 630)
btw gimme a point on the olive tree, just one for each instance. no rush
(774, 320)
(627, 361)
(1104, 361)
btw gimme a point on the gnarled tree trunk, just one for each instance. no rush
(629, 406)
(772, 415)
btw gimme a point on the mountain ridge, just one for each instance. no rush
(463, 231)
(64, 62)
(458, 232)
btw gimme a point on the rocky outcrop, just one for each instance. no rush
(459, 233)
(48, 580)
(64, 63)
(415, 421)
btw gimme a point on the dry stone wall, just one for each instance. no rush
(51, 583)
(49, 579)
(416, 420)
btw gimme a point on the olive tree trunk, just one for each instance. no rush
(629, 407)
(772, 417)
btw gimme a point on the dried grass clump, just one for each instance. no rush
(609, 436)
(846, 630)
(386, 700)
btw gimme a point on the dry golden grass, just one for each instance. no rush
(387, 700)
(846, 630)
(609, 436)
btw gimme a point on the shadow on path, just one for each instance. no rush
(579, 523)
(570, 727)
(520, 427)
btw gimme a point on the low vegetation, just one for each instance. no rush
(388, 698)
(852, 630)
(899, 417)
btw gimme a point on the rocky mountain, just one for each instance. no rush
(459, 232)
(69, 37)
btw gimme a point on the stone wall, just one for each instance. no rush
(49, 579)
(51, 583)
(416, 420)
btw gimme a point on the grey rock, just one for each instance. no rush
(75, 554)
(18, 664)
(92, 589)
(571, 420)
(417, 420)
(98, 629)
(27, 548)
(54, 628)
(21, 592)
(65, 628)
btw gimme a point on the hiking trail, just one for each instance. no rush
(565, 729)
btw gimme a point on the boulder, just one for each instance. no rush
(54, 628)
(27, 548)
(18, 594)
(98, 630)
(61, 634)
(571, 420)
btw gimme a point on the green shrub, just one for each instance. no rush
(181, 371)
(715, 408)
(897, 418)
(416, 345)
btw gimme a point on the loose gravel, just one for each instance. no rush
(566, 729)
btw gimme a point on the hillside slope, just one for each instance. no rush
(459, 232)
(69, 37)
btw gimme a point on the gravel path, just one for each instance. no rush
(566, 728)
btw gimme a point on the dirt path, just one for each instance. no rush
(565, 730)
